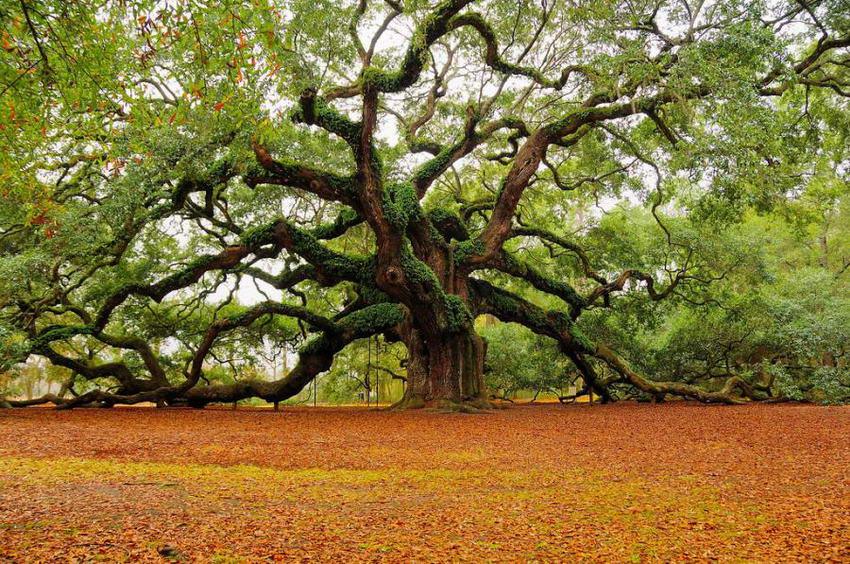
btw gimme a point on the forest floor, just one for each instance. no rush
(623, 483)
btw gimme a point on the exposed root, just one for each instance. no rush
(408, 403)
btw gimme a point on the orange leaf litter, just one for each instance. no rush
(624, 483)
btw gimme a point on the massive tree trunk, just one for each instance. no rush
(444, 369)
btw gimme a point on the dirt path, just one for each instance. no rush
(676, 482)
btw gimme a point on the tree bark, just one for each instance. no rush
(444, 370)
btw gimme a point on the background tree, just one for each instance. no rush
(521, 361)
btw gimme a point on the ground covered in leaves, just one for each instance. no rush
(676, 482)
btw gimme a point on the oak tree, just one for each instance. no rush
(376, 168)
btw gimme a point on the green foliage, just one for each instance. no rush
(777, 317)
(520, 360)
(585, 344)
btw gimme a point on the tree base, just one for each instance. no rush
(476, 405)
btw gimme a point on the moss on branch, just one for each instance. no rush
(401, 205)
(510, 265)
(256, 237)
(458, 316)
(464, 250)
(307, 245)
(361, 323)
(314, 110)
(448, 224)
(59, 333)
(346, 219)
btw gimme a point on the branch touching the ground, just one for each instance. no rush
(735, 390)
(511, 308)
(315, 356)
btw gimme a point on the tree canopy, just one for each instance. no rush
(659, 188)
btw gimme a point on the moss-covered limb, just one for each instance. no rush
(142, 348)
(119, 371)
(495, 61)
(563, 243)
(366, 296)
(314, 357)
(734, 391)
(465, 251)
(373, 319)
(102, 398)
(588, 373)
(285, 279)
(448, 224)
(419, 276)
(250, 314)
(47, 398)
(244, 319)
(329, 263)
(346, 219)
(400, 205)
(425, 146)
(326, 185)
(504, 157)
(59, 333)
(507, 263)
(511, 308)
(456, 317)
(211, 181)
(436, 310)
(426, 173)
(302, 242)
(429, 30)
(228, 258)
(360, 323)
(592, 111)
(218, 173)
(314, 110)
(442, 20)
(423, 292)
